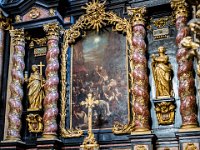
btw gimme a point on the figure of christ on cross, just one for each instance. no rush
(89, 142)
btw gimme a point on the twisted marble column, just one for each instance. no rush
(15, 101)
(185, 68)
(139, 74)
(52, 80)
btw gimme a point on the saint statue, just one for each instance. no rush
(35, 89)
(162, 71)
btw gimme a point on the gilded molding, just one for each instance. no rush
(95, 18)
(16, 88)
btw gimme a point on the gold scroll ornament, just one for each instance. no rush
(162, 74)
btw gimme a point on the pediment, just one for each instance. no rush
(35, 13)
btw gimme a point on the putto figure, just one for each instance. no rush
(35, 89)
(162, 73)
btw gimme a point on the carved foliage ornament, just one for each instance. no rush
(34, 123)
(95, 18)
(4, 22)
(165, 112)
(137, 15)
(180, 7)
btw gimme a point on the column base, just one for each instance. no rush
(142, 141)
(189, 126)
(44, 143)
(49, 137)
(140, 132)
(189, 139)
(13, 144)
(189, 129)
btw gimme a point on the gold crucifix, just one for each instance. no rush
(89, 142)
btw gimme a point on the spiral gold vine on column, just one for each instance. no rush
(50, 101)
(185, 68)
(139, 89)
(14, 116)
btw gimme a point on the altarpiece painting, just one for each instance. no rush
(99, 66)
(95, 61)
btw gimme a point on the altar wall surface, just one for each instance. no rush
(111, 75)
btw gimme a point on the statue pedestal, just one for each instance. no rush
(43, 143)
(89, 147)
(189, 139)
(165, 111)
(142, 141)
(12, 144)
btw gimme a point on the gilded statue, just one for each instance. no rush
(35, 89)
(162, 74)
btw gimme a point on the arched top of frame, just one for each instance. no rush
(95, 18)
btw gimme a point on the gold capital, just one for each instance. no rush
(180, 8)
(52, 29)
(137, 15)
(18, 36)
(4, 22)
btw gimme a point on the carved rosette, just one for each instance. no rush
(185, 68)
(52, 80)
(15, 101)
(139, 73)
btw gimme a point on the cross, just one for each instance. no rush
(41, 65)
(89, 103)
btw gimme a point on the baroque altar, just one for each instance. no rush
(110, 75)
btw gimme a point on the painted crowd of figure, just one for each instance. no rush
(107, 91)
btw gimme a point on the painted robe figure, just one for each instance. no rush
(162, 72)
(35, 89)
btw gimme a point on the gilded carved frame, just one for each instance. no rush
(95, 18)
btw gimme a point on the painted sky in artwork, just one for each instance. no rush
(93, 47)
